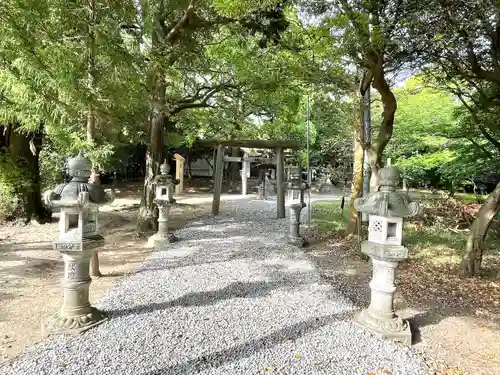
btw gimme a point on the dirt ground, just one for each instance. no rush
(456, 322)
(31, 271)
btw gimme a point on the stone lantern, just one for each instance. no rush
(164, 199)
(165, 183)
(264, 188)
(386, 209)
(78, 201)
(296, 184)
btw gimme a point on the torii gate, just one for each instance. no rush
(278, 146)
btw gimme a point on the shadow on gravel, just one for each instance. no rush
(234, 290)
(217, 359)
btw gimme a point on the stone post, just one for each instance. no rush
(294, 237)
(78, 238)
(179, 174)
(261, 188)
(245, 174)
(386, 209)
(295, 184)
(261, 191)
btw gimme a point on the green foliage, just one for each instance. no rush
(327, 217)
(436, 142)
(429, 168)
(52, 164)
(13, 184)
(425, 119)
(240, 8)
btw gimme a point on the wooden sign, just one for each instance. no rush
(179, 173)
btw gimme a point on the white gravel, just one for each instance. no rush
(231, 298)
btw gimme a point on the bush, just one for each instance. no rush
(13, 186)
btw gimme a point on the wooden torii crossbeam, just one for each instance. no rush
(279, 146)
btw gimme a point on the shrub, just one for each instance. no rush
(14, 184)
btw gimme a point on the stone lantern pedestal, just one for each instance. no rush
(162, 238)
(78, 239)
(261, 192)
(386, 208)
(296, 184)
(164, 200)
(294, 237)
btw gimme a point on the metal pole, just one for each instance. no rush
(367, 139)
(308, 134)
(219, 170)
(280, 183)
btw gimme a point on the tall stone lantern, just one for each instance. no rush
(165, 183)
(386, 208)
(296, 184)
(163, 200)
(78, 201)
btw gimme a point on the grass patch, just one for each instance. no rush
(434, 243)
(327, 216)
(469, 198)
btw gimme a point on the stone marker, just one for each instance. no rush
(387, 208)
(245, 174)
(179, 174)
(262, 188)
(164, 199)
(326, 187)
(296, 184)
(78, 238)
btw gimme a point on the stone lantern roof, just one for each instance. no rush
(164, 178)
(387, 201)
(80, 169)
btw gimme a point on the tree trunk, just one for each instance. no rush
(473, 254)
(357, 169)
(375, 149)
(24, 151)
(91, 117)
(147, 220)
(189, 161)
(148, 215)
(356, 188)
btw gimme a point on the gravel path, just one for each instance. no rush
(231, 298)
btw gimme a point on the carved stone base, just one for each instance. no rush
(162, 242)
(395, 329)
(57, 324)
(297, 241)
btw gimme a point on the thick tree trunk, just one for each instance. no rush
(357, 170)
(189, 161)
(148, 215)
(473, 254)
(91, 128)
(375, 149)
(94, 179)
(24, 151)
(147, 220)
